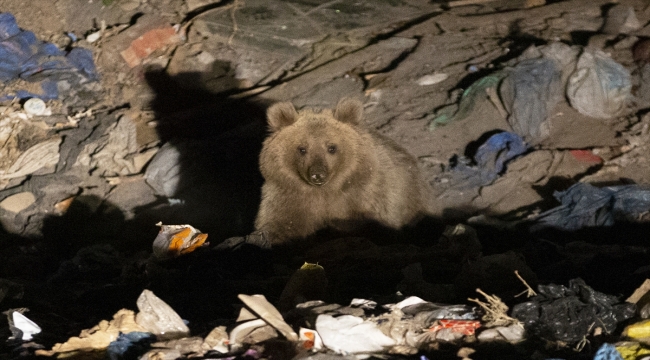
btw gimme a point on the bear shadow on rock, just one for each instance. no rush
(216, 142)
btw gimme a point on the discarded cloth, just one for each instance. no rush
(608, 352)
(529, 93)
(23, 56)
(130, 345)
(491, 159)
(584, 205)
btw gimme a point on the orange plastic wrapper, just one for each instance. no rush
(310, 339)
(465, 327)
(176, 240)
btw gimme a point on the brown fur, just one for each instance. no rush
(326, 168)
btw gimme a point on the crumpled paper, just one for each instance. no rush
(36, 157)
(116, 154)
(351, 334)
(99, 336)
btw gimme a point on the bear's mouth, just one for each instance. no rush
(317, 182)
(316, 179)
(317, 175)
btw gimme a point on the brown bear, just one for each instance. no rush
(326, 168)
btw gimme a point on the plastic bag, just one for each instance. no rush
(600, 87)
(584, 205)
(529, 93)
(23, 56)
(491, 159)
(570, 313)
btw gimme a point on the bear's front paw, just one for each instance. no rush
(232, 243)
(258, 238)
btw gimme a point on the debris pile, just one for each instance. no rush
(530, 121)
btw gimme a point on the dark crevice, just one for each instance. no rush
(393, 64)
(590, 171)
(581, 37)
(472, 147)
(405, 26)
(135, 18)
(202, 9)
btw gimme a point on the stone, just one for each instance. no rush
(18, 202)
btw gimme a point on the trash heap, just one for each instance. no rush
(92, 159)
(571, 317)
(526, 92)
(540, 117)
(551, 321)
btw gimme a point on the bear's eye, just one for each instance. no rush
(331, 149)
(302, 150)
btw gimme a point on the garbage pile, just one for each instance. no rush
(527, 91)
(40, 138)
(571, 320)
(49, 72)
(550, 107)
(100, 143)
(568, 316)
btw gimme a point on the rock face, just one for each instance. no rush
(327, 169)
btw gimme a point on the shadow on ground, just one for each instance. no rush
(218, 141)
(92, 261)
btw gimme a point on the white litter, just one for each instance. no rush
(36, 106)
(432, 79)
(28, 327)
(349, 334)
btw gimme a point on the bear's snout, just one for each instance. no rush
(317, 174)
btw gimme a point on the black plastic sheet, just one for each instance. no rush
(570, 313)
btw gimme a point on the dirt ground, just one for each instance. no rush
(172, 128)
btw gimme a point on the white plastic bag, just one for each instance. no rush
(600, 87)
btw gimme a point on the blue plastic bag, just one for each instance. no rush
(584, 205)
(23, 56)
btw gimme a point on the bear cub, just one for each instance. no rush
(327, 169)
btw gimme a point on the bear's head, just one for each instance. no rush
(312, 147)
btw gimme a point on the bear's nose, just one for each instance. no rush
(318, 178)
(317, 175)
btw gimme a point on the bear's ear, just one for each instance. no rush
(349, 111)
(280, 115)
